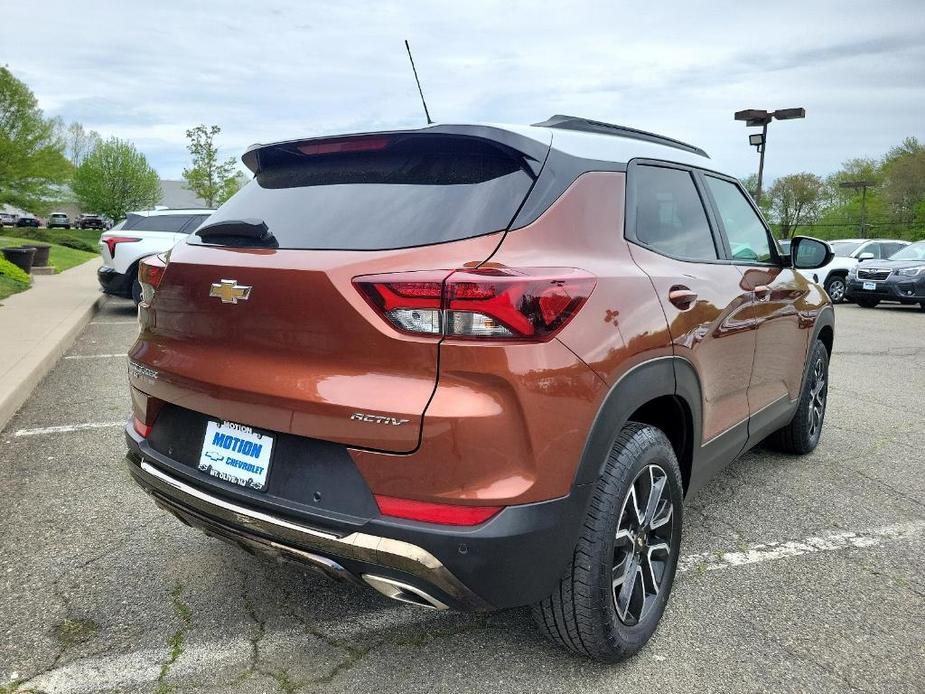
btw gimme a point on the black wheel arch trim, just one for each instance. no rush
(657, 377)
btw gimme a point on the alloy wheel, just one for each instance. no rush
(817, 396)
(837, 290)
(642, 546)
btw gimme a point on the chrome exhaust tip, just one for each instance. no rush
(403, 592)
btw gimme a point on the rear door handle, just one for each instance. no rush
(682, 297)
(762, 292)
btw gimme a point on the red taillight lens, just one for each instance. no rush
(144, 430)
(150, 273)
(428, 512)
(526, 304)
(113, 241)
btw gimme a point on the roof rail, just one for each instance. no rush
(595, 126)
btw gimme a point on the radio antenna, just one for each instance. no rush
(420, 91)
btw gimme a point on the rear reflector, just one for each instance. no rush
(144, 430)
(113, 241)
(427, 512)
(522, 304)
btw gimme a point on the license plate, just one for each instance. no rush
(237, 454)
(870, 285)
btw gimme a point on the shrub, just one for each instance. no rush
(7, 269)
(62, 239)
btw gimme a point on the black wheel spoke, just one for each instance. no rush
(642, 545)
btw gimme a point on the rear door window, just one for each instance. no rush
(670, 217)
(382, 193)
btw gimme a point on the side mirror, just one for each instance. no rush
(807, 253)
(867, 255)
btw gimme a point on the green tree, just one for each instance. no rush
(78, 142)
(211, 179)
(32, 162)
(904, 177)
(795, 200)
(115, 179)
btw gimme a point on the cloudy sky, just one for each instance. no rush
(273, 70)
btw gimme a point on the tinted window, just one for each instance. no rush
(669, 214)
(406, 191)
(915, 251)
(198, 219)
(163, 222)
(748, 239)
(873, 248)
(844, 249)
(890, 248)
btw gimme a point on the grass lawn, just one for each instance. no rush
(61, 257)
(10, 286)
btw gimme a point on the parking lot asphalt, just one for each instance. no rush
(798, 574)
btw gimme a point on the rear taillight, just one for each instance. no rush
(524, 304)
(428, 512)
(113, 241)
(150, 273)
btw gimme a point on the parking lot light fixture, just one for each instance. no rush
(754, 117)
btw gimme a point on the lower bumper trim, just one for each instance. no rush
(273, 534)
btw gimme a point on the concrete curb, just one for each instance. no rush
(27, 361)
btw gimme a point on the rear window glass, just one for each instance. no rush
(408, 191)
(171, 223)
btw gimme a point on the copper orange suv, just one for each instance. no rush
(476, 366)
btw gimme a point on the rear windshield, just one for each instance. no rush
(407, 191)
(171, 223)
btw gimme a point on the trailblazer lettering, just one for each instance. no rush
(233, 443)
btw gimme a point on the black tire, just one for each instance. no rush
(835, 287)
(867, 303)
(581, 614)
(802, 434)
(922, 305)
(136, 291)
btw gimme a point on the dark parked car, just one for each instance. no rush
(476, 366)
(900, 278)
(27, 221)
(91, 221)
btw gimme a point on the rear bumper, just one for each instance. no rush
(114, 282)
(904, 289)
(516, 558)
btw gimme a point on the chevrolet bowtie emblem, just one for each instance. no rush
(229, 291)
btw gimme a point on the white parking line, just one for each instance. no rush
(114, 322)
(68, 427)
(830, 542)
(108, 672)
(96, 356)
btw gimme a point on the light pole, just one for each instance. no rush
(754, 117)
(863, 185)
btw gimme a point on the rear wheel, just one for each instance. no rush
(868, 303)
(802, 434)
(835, 286)
(613, 594)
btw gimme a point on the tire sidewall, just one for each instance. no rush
(657, 450)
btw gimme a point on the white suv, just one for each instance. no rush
(139, 235)
(848, 253)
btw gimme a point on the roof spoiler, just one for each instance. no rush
(532, 151)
